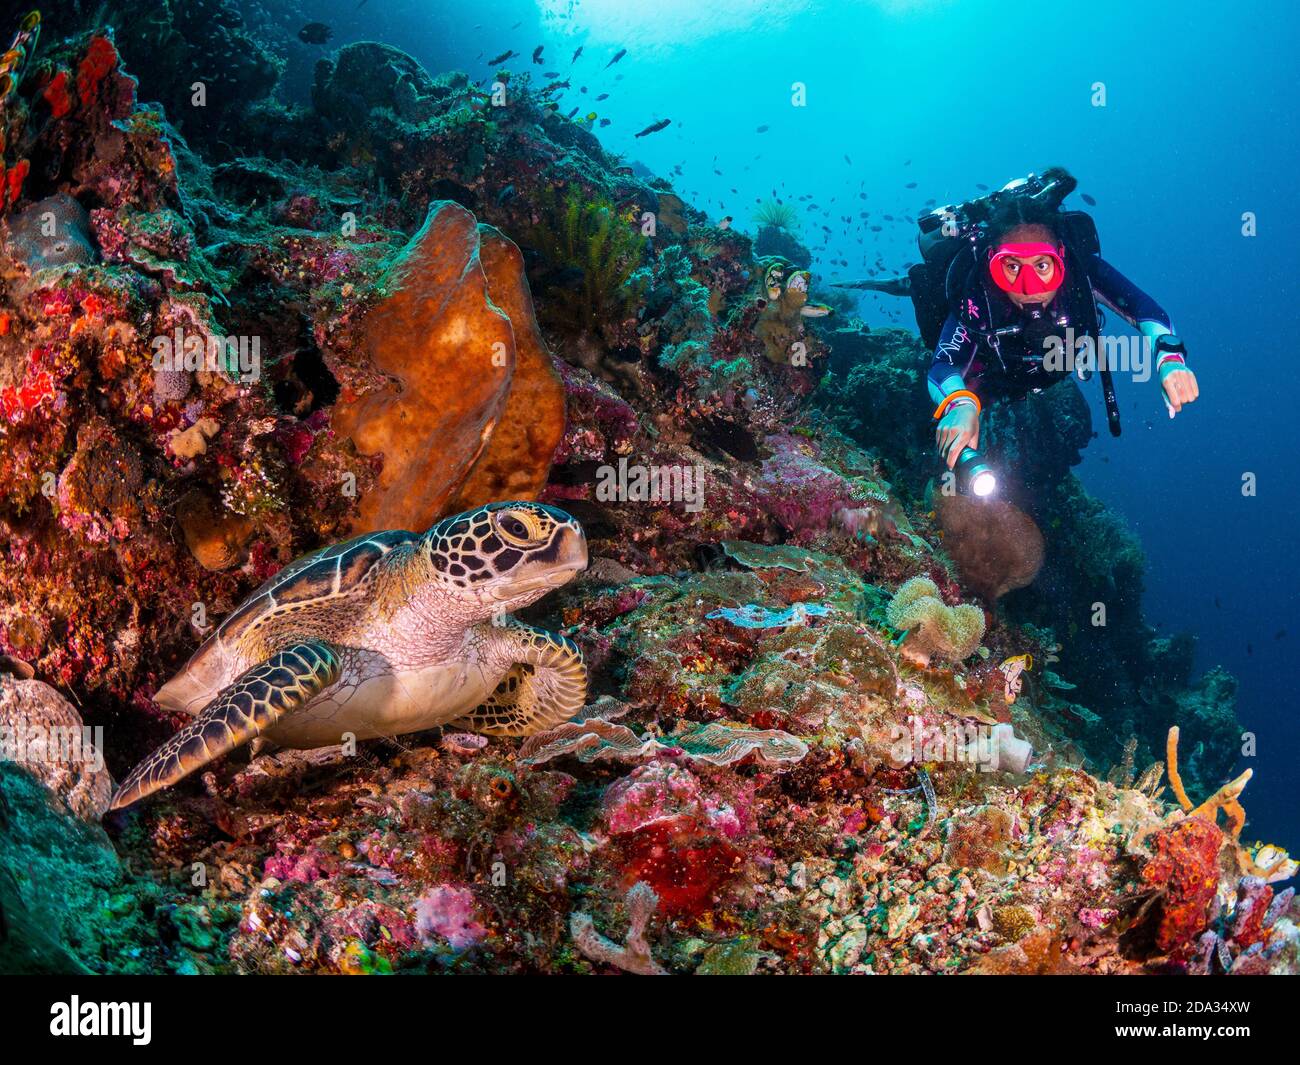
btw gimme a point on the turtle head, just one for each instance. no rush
(503, 556)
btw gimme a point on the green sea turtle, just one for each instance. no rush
(388, 633)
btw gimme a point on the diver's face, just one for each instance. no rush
(1028, 265)
(1042, 267)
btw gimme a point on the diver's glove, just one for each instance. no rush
(1177, 383)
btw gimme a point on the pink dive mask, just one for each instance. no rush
(1027, 282)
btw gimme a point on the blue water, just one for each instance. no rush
(1196, 130)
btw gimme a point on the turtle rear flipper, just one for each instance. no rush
(546, 685)
(285, 682)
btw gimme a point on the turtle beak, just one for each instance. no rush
(571, 549)
(568, 557)
(552, 567)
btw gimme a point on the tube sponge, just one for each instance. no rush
(934, 629)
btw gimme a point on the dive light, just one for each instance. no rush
(974, 475)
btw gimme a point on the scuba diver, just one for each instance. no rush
(1004, 283)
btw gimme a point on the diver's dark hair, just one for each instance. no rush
(1013, 211)
(1022, 211)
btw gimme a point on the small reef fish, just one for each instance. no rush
(604, 122)
(762, 129)
(602, 96)
(1088, 199)
(663, 123)
(537, 53)
(315, 33)
(617, 56)
(576, 54)
(502, 57)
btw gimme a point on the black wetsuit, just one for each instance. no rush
(972, 354)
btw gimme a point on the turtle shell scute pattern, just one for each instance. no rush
(332, 571)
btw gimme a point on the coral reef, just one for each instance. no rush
(934, 629)
(590, 252)
(806, 749)
(1127, 680)
(778, 223)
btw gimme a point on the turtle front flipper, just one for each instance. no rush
(546, 685)
(285, 682)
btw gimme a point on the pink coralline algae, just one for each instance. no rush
(1097, 917)
(661, 793)
(304, 867)
(801, 492)
(599, 423)
(448, 912)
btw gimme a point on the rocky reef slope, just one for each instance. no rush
(823, 737)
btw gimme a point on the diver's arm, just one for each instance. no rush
(958, 410)
(1127, 300)
(952, 359)
(1118, 293)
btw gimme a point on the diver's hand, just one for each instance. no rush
(1180, 387)
(958, 429)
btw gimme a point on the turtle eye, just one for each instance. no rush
(514, 529)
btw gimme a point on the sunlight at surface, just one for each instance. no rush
(661, 23)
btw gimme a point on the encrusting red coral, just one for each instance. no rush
(1185, 870)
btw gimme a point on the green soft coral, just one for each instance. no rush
(588, 235)
(934, 629)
